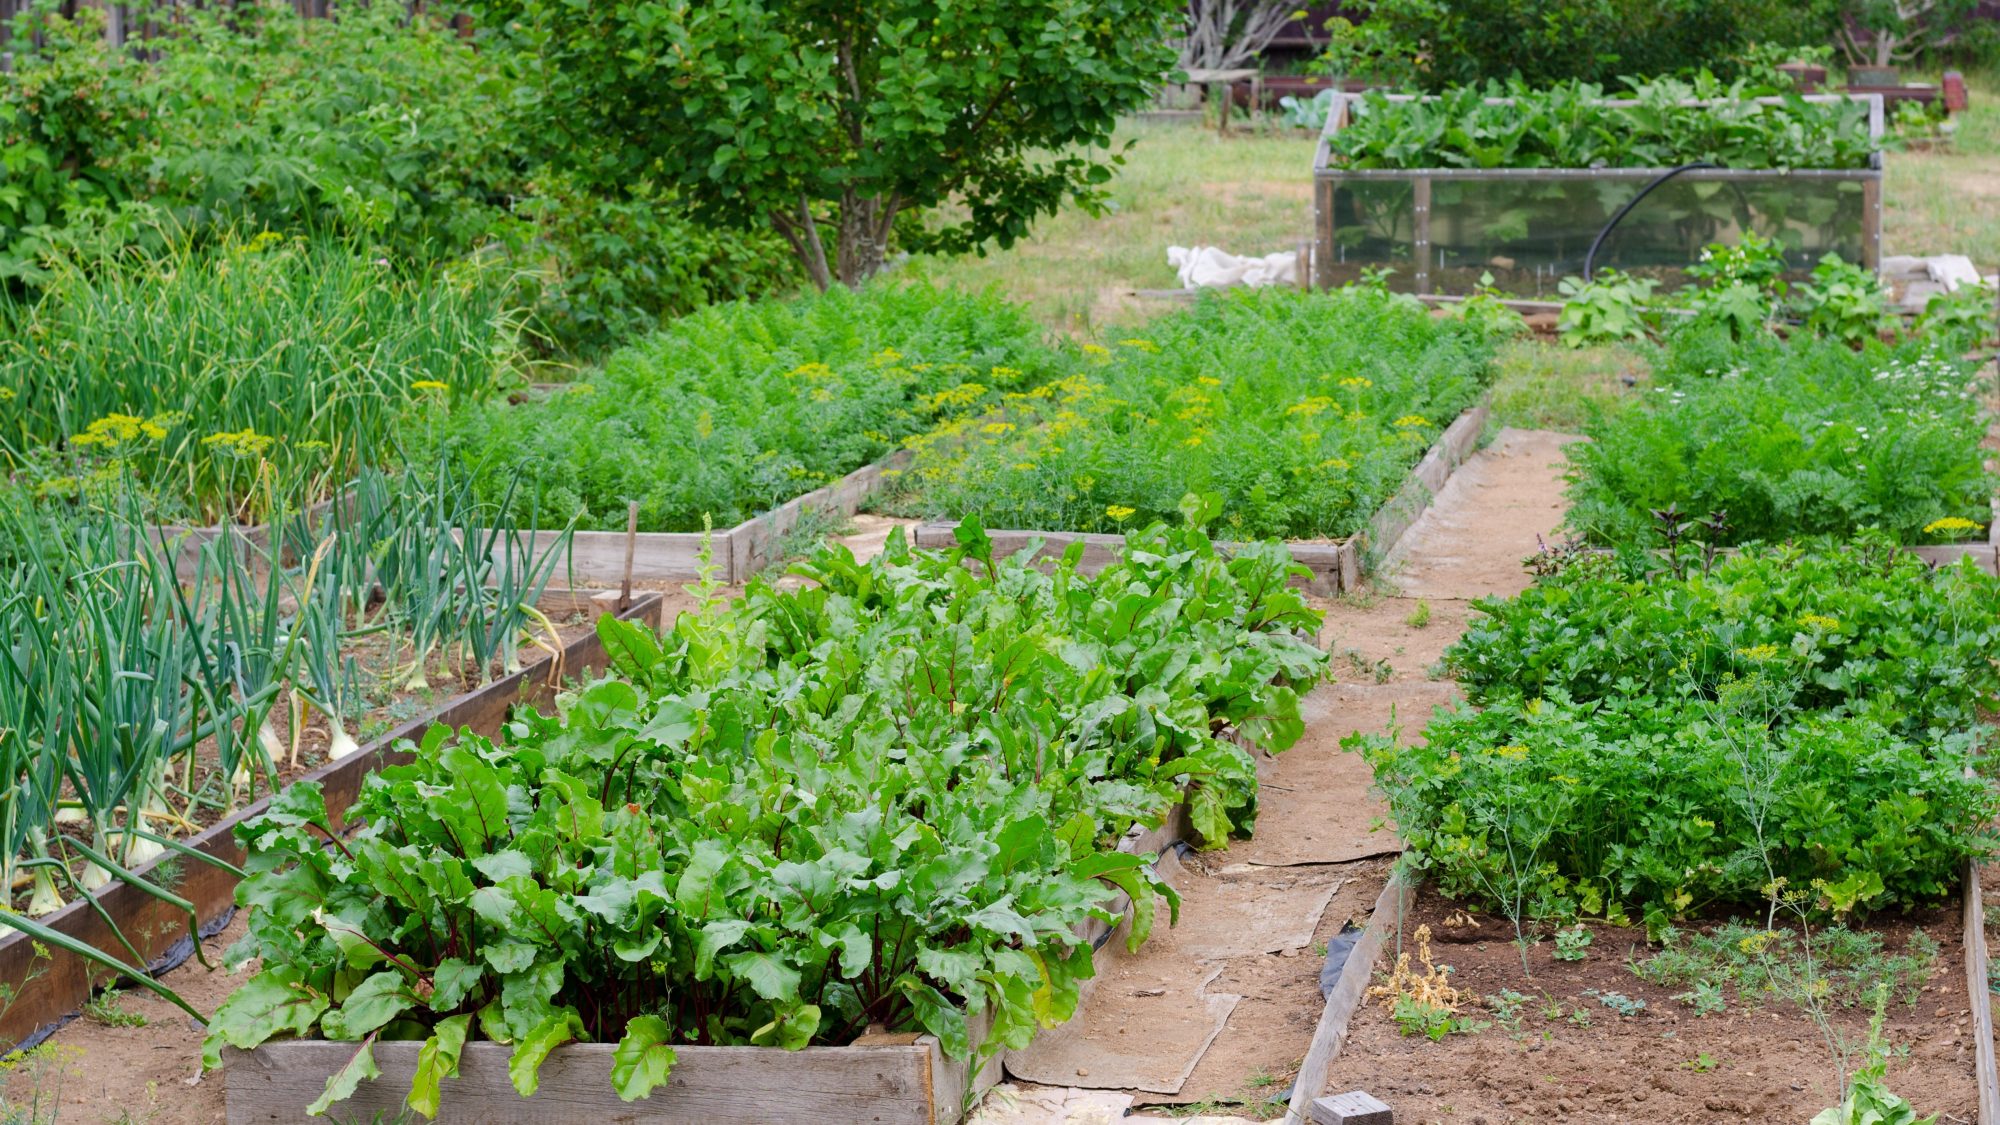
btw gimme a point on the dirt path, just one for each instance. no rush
(1230, 997)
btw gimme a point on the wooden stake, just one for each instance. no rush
(631, 543)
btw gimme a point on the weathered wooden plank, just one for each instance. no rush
(598, 557)
(1428, 479)
(48, 991)
(1979, 993)
(893, 1085)
(1345, 999)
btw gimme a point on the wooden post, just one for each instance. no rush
(1351, 1108)
(1981, 998)
(1221, 106)
(631, 543)
(1422, 234)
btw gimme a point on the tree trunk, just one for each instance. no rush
(863, 245)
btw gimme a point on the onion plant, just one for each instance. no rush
(247, 375)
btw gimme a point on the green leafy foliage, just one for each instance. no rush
(1301, 413)
(1608, 309)
(249, 375)
(1845, 302)
(1869, 1100)
(1570, 126)
(396, 133)
(890, 796)
(735, 409)
(827, 124)
(1794, 438)
(1440, 44)
(1789, 719)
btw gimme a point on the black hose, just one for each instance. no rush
(1590, 259)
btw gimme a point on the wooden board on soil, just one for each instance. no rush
(1760, 1059)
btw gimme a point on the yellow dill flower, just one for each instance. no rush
(1310, 406)
(997, 428)
(1119, 512)
(1816, 621)
(1097, 350)
(1951, 524)
(1413, 420)
(1565, 779)
(1005, 375)
(429, 385)
(1757, 943)
(1515, 751)
(1142, 345)
(885, 357)
(811, 371)
(1023, 466)
(1192, 441)
(1208, 381)
(243, 443)
(1758, 652)
(1335, 463)
(1356, 382)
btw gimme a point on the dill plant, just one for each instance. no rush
(1302, 412)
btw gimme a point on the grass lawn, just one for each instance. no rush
(1948, 202)
(1182, 185)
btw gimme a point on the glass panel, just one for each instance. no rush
(1374, 229)
(1530, 233)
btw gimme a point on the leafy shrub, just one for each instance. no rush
(1609, 309)
(1569, 126)
(245, 376)
(737, 408)
(1845, 302)
(1460, 42)
(885, 798)
(1790, 720)
(394, 132)
(1299, 413)
(1788, 439)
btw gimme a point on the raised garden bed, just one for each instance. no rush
(1336, 567)
(887, 1077)
(48, 991)
(1623, 1047)
(1010, 854)
(1444, 229)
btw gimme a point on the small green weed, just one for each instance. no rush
(1419, 617)
(1761, 964)
(107, 1008)
(1570, 944)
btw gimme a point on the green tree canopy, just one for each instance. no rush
(830, 119)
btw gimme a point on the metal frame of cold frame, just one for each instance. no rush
(1326, 176)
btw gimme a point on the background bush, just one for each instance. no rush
(1460, 42)
(395, 133)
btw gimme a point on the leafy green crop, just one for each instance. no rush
(1301, 412)
(1794, 438)
(1790, 719)
(889, 797)
(1568, 126)
(733, 410)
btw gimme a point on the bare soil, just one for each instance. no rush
(1753, 1062)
